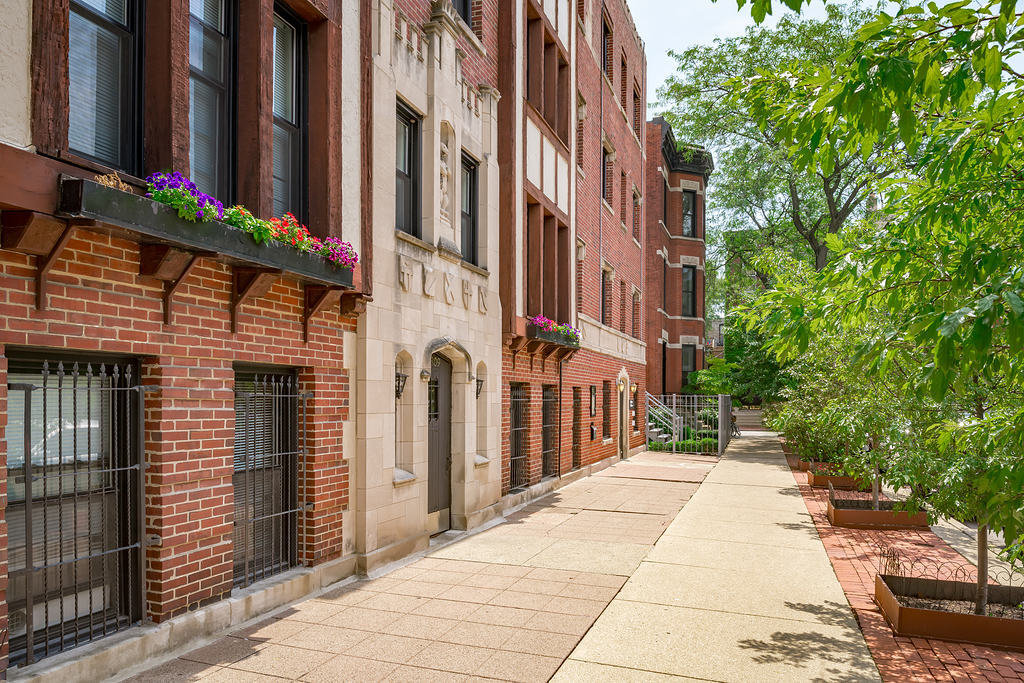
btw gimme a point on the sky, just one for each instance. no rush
(677, 24)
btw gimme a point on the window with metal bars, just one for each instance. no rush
(75, 503)
(518, 437)
(622, 306)
(607, 45)
(638, 112)
(606, 409)
(606, 175)
(270, 439)
(549, 430)
(636, 216)
(105, 82)
(623, 194)
(624, 88)
(577, 427)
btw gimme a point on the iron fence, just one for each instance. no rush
(689, 423)
(270, 445)
(75, 506)
(518, 425)
(549, 431)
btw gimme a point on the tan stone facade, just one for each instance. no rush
(427, 298)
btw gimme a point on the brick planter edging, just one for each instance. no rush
(952, 626)
(876, 519)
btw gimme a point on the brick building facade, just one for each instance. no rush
(676, 184)
(572, 163)
(187, 415)
(174, 396)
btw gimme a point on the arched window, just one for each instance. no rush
(403, 414)
(482, 406)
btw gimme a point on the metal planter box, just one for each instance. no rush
(157, 223)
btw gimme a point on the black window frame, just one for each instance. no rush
(607, 48)
(300, 161)
(687, 362)
(605, 298)
(132, 65)
(606, 409)
(464, 8)
(228, 152)
(470, 222)
(688, 295)
(664, 204)
(606, 175)
(689, 214)
(414, 178)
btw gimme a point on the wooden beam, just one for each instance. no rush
(171, 287)
(44, 264)
(249, 283)
(317, 298)
(31, 232)
(163, 262)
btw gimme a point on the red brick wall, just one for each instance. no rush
(607, 229)
(584, 370)
(658, 241)
(99, 303)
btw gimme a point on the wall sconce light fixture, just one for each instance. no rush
(400, 380)
(479, 386)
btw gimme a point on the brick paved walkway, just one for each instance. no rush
(854, 555)
(510, 603)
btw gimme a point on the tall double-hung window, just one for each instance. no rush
(289, 115)
(689, 213)
(689, 292)
(470, 203)
(104, 84)
(407, 171)
(211, 56)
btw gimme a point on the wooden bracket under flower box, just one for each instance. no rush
(317, 298)
(249, 283)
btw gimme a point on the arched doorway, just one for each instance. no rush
(439, 448)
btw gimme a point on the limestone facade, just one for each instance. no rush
(429, 299)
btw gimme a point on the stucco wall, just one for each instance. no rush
(15, 88)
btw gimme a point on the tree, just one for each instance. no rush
(931, 85)
(761, 198)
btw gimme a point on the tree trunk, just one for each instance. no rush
(981, 602)
(874, 488)
(820, 257)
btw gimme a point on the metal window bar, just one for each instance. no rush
(75, 507)
(577, 427)
(549, 431)
(518, 437)
(269, 474)
(606, 410)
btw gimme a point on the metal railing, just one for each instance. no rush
(75, 508)
(689, 423)
(270, 446)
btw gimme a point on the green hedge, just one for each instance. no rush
(686, 446)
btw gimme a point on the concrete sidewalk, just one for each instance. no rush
(739, 588)
(509, 603)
